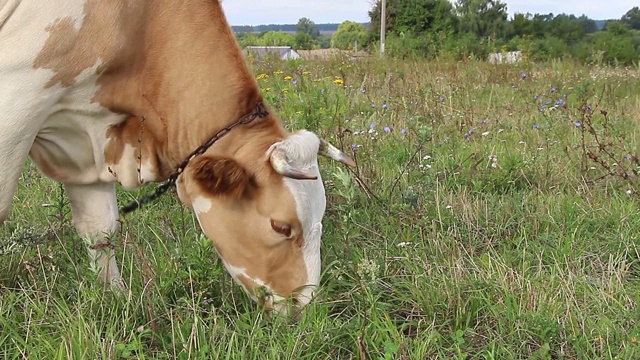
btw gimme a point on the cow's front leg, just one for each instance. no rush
(95, 217)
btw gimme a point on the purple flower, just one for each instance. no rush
(588, 107)
(32, 165)
(387, 129)
(542, 108)
(578, 123)
(548, 102)
(470, 131)
(535, 126)
(322, 90)
(373, 105)
(363, 90)
(384, 106)
(536, 98)
(553, 89)
(294, 81)
(403, 131)
(441, 99)
(560, 102)
(628, 157)
(372, 126)
(524, 76)
(58, 216)
(484, 121)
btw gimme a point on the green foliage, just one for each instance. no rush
(632, 18)
(348, 34)
(306, 26)
(483, 18)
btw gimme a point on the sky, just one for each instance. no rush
(258, 12)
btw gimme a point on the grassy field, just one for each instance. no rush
(493, 215)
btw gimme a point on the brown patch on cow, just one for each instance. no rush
(69, 50)
(222, 176)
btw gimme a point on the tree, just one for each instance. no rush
(304, 41)
(417, 17)
(306, 26)
(277, 38)
(483, 18)
(347, 34)
(521, 24)
(632, 18)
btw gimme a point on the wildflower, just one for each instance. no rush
(560, 102)
(262, 77)
(384, 105)
(448, 207)
(553, 89)
(403, 131)
(536, 98)
(363, 90)
(484, 121)
(441, 99)
(535, 126)
(588, 107)
(628, 157)
(288, 77)
(285, 90)
(58, 216)
(279, 72)
(338, 81)
(427, 157)
(634, 339)
(306, 73)
(542, 108)
(372, 126)
(548, 102)
(294, 82)
(267, 89)
(373, 105)
(524, 76)
(322, 91)
(578, 123)
(387, 129)
(403, 244)
(485, 133)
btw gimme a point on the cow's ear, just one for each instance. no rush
(221, 176)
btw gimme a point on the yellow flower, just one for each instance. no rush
(299, 112)
(279, 72)
(338, 81)
(262, 77)
(285, 90)
(288, 78)
(306, 72)
(634, 340)
(267, 89)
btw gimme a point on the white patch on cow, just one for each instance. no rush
(201, 204)
(302, 150)
(237, 272)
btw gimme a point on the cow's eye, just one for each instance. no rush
(281, 228)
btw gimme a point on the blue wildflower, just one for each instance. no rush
(578, 123)
(535, 126)
(387, 129)
(403, 131)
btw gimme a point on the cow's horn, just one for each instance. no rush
(280, 164)
(332, 152)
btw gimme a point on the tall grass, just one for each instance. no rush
(493, 214)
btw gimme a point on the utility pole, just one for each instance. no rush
(383, 25)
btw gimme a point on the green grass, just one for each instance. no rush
(517, 239)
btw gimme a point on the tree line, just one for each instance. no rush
(471, 28)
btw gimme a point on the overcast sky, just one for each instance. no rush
(257, 12)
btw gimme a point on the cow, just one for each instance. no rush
(106, 92)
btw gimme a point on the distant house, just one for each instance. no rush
(280, 52)
(510, 57)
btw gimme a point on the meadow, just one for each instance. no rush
(493, 214)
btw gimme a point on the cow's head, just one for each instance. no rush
(263, 211)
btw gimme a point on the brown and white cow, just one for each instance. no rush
(104, 91)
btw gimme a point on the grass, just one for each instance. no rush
(477, 225)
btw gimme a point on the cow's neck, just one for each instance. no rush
(191, 82)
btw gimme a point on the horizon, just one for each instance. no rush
(287, 12)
